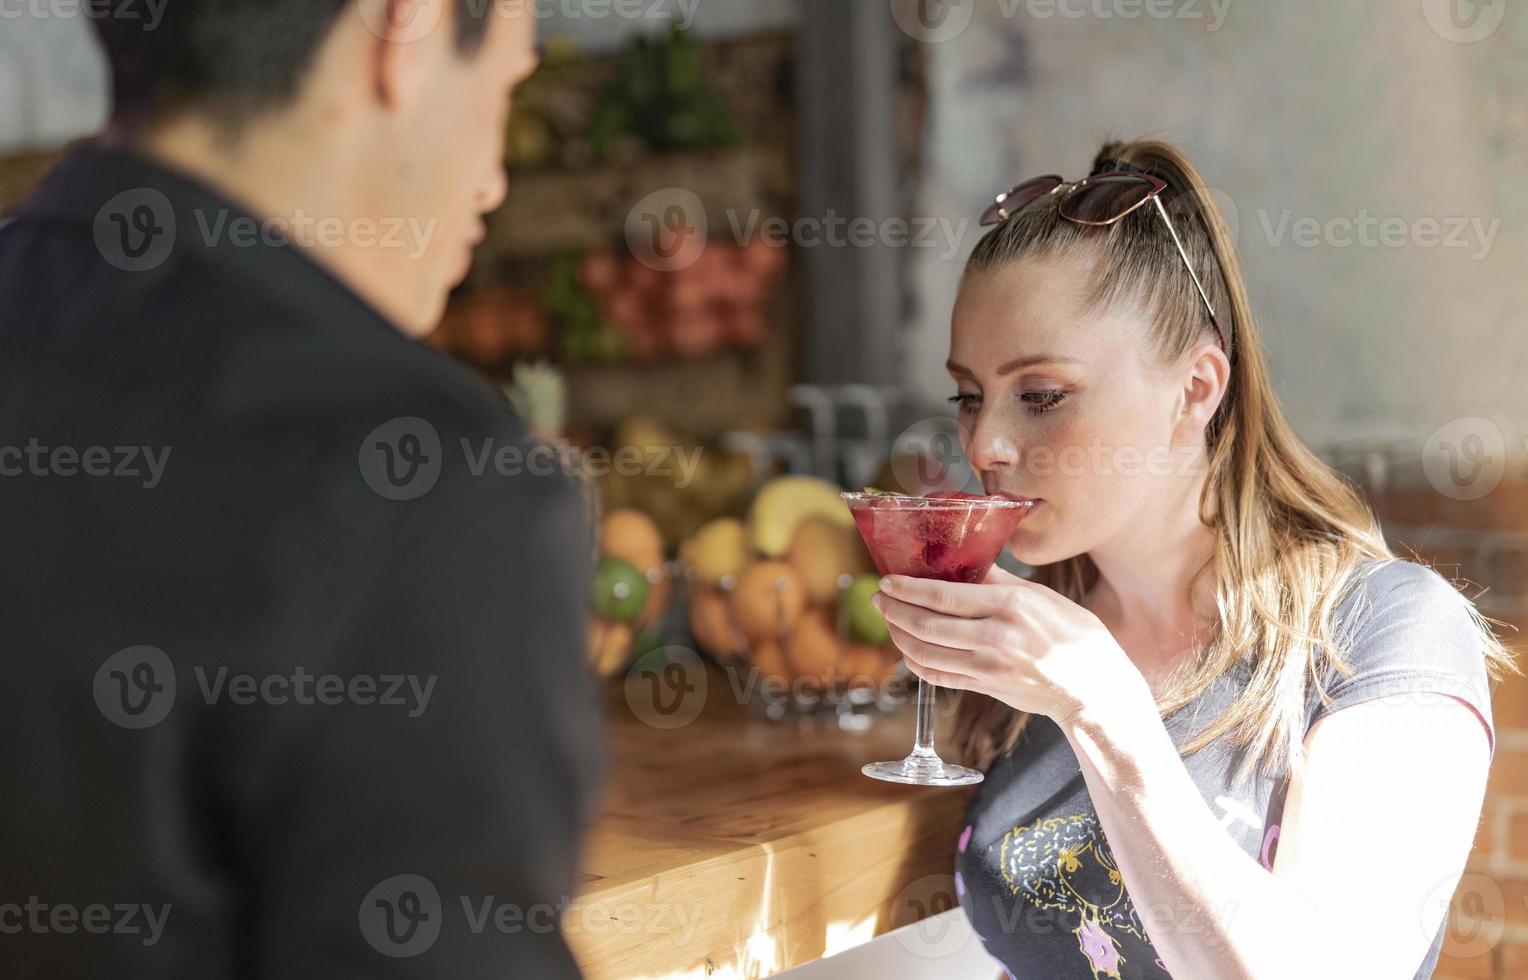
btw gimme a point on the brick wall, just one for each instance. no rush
(1482, 545)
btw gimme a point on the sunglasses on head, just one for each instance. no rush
(1099, 199)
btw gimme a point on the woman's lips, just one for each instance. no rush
(1013, 496)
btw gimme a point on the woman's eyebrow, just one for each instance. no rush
(1017, 364)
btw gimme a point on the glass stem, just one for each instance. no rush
(924, 742)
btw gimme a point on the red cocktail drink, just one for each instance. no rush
(953, 537)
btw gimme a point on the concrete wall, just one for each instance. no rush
(1300, 108)
(53, 84)
(52, 80)
(1301, 112)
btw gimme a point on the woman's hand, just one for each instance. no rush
(1011, 639)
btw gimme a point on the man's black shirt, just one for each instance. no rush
(290, 685)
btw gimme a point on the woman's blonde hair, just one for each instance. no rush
(1287, 526)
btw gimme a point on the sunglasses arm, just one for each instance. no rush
(1157, 200)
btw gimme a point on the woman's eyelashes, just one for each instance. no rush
(1036, 402)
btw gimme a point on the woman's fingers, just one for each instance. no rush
(940, 678)
(932, 656)
(955, 632)
(971, 600)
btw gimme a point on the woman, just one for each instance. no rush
(1173, 786)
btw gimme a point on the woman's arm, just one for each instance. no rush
(1375, 833)
(1374, 839)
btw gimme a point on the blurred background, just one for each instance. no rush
(737, 226)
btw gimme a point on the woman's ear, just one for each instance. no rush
(1204, 380)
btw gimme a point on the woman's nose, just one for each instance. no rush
(988, 447)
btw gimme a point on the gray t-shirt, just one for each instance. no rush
(1034, 871)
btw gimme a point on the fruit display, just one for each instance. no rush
(787, 591)
(607, 306)
(784, 503)
(714, 303)
(493, 325)
(677, 483)
(629, 591)
(583, 335)
(662, 99)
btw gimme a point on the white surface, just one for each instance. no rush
(941, 947)
(52, 80)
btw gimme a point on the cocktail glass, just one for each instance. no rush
(952, 537)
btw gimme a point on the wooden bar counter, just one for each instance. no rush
(733, 846)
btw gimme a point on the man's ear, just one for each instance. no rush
(408, 37)
(1204, 384)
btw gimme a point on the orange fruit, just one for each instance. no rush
(615, 649)
(629, 534)
(711, 623)
(658, 596)
(877, 664)
(813, 646)
(821, 552)
(768, 598)
(768, 658)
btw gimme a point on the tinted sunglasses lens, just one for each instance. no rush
(1016, 197)
(1105, 199)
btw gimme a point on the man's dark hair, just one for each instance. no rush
(232, 58)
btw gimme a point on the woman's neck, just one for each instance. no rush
(1156, 586)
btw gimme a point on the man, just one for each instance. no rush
(293, 684)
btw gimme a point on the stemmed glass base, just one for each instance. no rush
(922, 770)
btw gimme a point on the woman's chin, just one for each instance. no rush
(1030, 545)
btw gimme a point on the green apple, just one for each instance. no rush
(620, 590)
(866, 624)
